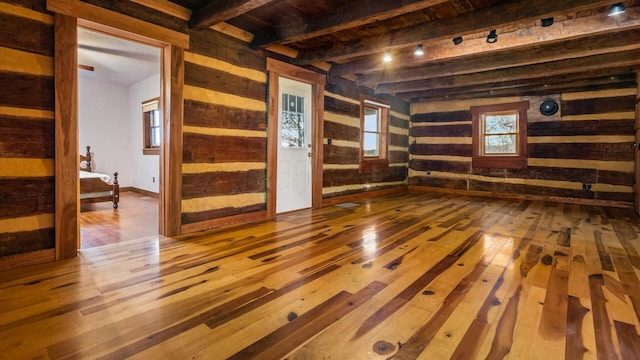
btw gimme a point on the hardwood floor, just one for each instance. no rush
(101, 224)
(412, 276)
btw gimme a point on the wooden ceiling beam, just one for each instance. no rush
(540, 90)
(354, 14)
(595, 25)
(556, 68)
(216, 12)
(597, 45)
(526, 87)
(496, 17)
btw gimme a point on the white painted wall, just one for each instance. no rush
(103, 119)
(110, 120)
(146, 168)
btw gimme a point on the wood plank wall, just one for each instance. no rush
(27, 192)
(341, 171)
(588, 141)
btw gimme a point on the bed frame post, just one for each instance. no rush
(88, 158)
(116, 190)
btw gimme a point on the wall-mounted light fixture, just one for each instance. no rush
(546, 22)
(457, 40)
(419, 51)
(492, 37)
(616, 9)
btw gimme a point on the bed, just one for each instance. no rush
(96, 187)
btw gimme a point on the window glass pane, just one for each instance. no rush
(155, 118)
(155, 137)
(371, 120)
(500, 124)
(371, 144)
(500, 144)
(292, 121)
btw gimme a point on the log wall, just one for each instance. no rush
(589, 141)
(225, 144)
(27, 191)
(341, 169)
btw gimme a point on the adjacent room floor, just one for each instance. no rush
(411, 276)
(135, 218)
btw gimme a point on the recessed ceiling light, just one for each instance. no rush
(387, 57)
(616, 9)
(419, 51)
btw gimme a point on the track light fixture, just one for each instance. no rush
(616, 9)
(546, 22)
(419, 51)
(492, 37)
(457, 40)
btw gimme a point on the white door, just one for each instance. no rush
(294, 146)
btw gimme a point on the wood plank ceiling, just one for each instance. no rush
(584, 49)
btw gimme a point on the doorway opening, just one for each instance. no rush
(119, 118)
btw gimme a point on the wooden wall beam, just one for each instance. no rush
(353, 14)
(166, 7)
(500, 16)
(66, 128)
(216, 12)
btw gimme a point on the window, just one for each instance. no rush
(500, 135)
(292, 121)
(151, 127)
(374, 116)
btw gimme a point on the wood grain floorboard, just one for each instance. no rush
(405, 276)
(101, 224)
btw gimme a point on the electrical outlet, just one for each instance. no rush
(328, 141)
(586, 186)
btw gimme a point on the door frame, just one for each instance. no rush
(636, 151)
(69, 14)
(277, 69)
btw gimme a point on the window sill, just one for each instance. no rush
(374, 165)
(153, 151)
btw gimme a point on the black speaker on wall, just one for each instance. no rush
(548, 107)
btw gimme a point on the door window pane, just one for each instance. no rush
(292, 121)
